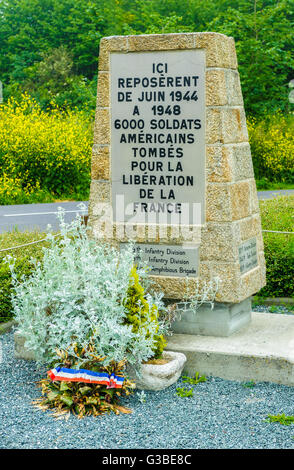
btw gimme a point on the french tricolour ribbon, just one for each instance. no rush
(86, 376)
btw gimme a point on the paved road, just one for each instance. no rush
(35, 216)
(271, 194)
(38, 216)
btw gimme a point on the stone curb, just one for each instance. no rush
(6, 327)
(20, 351)
(263, 351)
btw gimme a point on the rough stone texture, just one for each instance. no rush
(242, 166)
(102, 127)
(217, 242)
(110, 44)
(234, 127)
(220, 49)
(213, 126)
(161, 42)
(99, 204)
(103, 89)
(250, 279)
(233, 88)
(223, 87)
(226, 125)
(249, 227)
(216, 90)
(240, 198)
(100, 163)
(263, 351)
(232, 212)
(229, 273)
(101, 190)
(218, 163)
(229, 163)
(218, 201)
(253, 197)
(228, 202)
(159, 376)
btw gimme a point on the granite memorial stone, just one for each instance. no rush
(172, 170)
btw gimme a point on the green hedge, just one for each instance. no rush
(279, 267)
(23, 264)
(278, 214)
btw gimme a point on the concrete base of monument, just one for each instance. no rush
(224, 319)
(263, 351)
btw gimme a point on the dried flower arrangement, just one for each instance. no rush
(85, 307)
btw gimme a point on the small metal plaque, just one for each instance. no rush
(248, 255)
(168, 260)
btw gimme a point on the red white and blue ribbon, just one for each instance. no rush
(86, 376)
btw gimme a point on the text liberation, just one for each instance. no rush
(158, 142)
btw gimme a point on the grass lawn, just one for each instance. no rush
(278, 214)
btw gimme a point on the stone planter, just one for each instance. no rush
(159, 376)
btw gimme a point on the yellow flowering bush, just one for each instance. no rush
(15, 191)
(272, 146)
(43, 152)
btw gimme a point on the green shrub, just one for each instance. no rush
(23, 265)
(279, 254)
(138, 315)
(83, 306)
(277, 214)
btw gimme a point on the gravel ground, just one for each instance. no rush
(280, 309)
(222, 414)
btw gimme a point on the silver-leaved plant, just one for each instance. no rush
(76, 293)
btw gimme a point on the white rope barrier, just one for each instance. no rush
(276, 231)
(21, 246)
(44, 239)
(26, 244)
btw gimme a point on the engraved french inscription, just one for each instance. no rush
(158, 137)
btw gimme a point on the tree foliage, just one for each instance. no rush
(34, 31)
